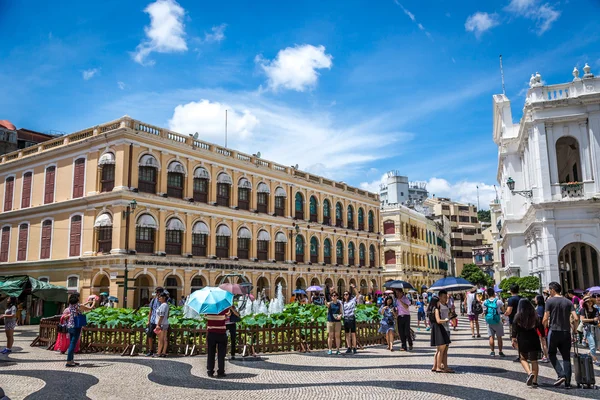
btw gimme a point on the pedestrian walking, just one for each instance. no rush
(493, 307)
(231, 325)
(10, 323)
(439, 335)
(386, 325)
(75, 323)
(421, 315)
(403, 309)
(524, 335)
(182, 301)
(216, 340)
(471, 300)
(511, 309)
(349, 309)
(334, 324)
(540, 307)
(561, 319)
(162, 325)
(152, 318)
(589, 317)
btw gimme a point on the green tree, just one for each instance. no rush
(506, 283)
(484, 216)
(476, 276)
(529, 286)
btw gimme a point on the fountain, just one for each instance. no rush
(276, 305)
(259, 306)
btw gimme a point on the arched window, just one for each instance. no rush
(280, 197)
(244, 190)
(197, 283)
(350, 217)
(175, 179)
(263, 239)
(299, 249)
(107, 174)
(201, 179)
(145, 233)
(78, 177)
(200, 234)
(371, 256)
(244, 238)
(339, 211)
(351, 253)
(262, 198)
(224, 183)
(326, 212)
(147, 174)
(103, 226)
(4, 244)
(371, 222)
(389, 227)
(49, 185)
(314, 250)
(361, 255)
(46, 242)
(75, 236)
(9, 189)
(327, 251)
(568, 161)
(390, 257)
(299, 206)
(280, 241)
(339, 252)
(361, 219)
(174, 237)
(223, 234)
(73, 283)
(26, 193)
(313, 209)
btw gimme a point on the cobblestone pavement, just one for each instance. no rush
(35, 373)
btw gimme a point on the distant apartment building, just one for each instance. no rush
(483, 257)
(12, 139)
(398, 190)
(465, 229)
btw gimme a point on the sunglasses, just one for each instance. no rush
(346, 294)
(334, 295)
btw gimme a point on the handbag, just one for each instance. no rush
(157, 330)
(79, 321)
(62, 328)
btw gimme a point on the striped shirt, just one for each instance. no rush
(216, 322)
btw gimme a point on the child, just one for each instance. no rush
(421, 315)
(526, 326)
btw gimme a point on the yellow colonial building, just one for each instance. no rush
(414, 246)
(178, 212)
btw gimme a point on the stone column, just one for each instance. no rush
(233, 247)
(579, 266)
(161, 230)
(162, 174)
(214, 172)
(189, 180)
(118, 231)
(187, 235)
(594, 135)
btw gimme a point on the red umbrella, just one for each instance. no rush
(232, 288)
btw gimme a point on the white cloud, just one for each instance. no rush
(295, 68)
(413, 19)
(89, 73)
(218, 34)
(543, 14)
(165, 33)
(463, 191)
(319, 141)
(209, 120)
(480, 22)
(121, 85)
(375, 185)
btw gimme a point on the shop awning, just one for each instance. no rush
(16, 285)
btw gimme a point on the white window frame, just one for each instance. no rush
(31, 187)
(44, 277)
(71, 288)
(9, 237)
(27, 245)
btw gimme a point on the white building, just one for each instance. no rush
(549, 168)
(398, 190)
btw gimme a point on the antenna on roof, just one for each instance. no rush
(225, 128)
(502, 74)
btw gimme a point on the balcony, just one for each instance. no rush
(571, 190)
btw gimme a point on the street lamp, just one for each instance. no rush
(511, 186)
(130, 207)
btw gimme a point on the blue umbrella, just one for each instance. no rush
(497, 289)
(299, 291)
(113, 298)
(210, 300)
(451, 283)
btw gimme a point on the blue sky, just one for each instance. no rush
(346, 89)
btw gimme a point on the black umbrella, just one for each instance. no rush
(398, 284)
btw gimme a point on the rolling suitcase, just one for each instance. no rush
(583, 367)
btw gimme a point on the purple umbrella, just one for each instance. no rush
(314, 289)
(594, 290)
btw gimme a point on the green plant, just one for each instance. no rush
(476, 276)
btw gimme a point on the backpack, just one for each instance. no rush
(476, 307)
(492, 316)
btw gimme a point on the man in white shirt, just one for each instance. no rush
(473, 318)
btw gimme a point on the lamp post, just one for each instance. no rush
(126, 214)
(511, 186)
